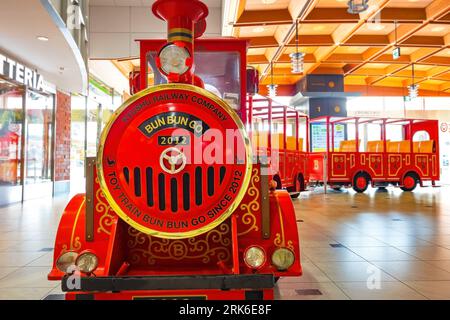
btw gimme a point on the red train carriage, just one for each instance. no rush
(176, 204)
(377, 152)
(281, 134)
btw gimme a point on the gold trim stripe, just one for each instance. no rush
(180, 38)
(181, 30)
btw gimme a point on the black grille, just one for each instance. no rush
(149, 186)
(186, 191)
(174, 195)
(181, 193)
(126, 173)
(162, 192)
(137, 182)
(198, 185)
(210, 179)
(222, 172)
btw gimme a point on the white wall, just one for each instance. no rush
(114, 29)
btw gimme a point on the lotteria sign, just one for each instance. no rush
(20, 73)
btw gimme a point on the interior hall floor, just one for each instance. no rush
(377, 245)
(382, 244)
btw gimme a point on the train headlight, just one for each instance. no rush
(87, 262)
(254, 257)
(283, 259)
(66, 260)
(174, 58)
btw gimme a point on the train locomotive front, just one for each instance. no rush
(176, 206)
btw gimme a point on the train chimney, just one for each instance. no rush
(185, 22)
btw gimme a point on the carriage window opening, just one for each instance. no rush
(422, 142)
(395, 139)
(421, 136)
(372, 139)
(394, 132)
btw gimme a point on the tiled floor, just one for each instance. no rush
(393, 245)
(27, 233)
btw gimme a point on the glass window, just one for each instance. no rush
(11, 117)
(93, 127)
(220, 71)
(39, 138)
(415, 104)
(437, 103)
(77, 142)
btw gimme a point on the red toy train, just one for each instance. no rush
(381, 151)
(176, 204)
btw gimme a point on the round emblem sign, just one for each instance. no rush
(444, 127)
(174, 161)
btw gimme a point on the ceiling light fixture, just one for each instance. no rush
(437, 29)
(258, 29)
(42, 38)
(268, 1)
(376, 26)
(272, 87)
(413, 89)
(357, 6)
(297, 57)
(318, 28)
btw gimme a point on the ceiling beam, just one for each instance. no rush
(312, 41)
(262, 42)
(436, 9)
(386, 15)
(423, 41)
(264, 17)
(437, 60)
(415, 57)
(368, 40)
(304, 8)
(376, 42)
(445, 87)
(342, 37)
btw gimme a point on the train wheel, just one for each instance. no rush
(294, 195)
(295, 190)
(409, 182)
(360, 183)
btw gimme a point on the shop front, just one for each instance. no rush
(27, 133)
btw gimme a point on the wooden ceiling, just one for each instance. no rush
(359, 46)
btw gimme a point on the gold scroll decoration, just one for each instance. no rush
(251, 208)
(215, 243)
(102, 207)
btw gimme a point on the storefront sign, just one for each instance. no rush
(396, 53)
(20, 73)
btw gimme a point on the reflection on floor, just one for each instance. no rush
(27, 235)
(383, 244)
(378, 245)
